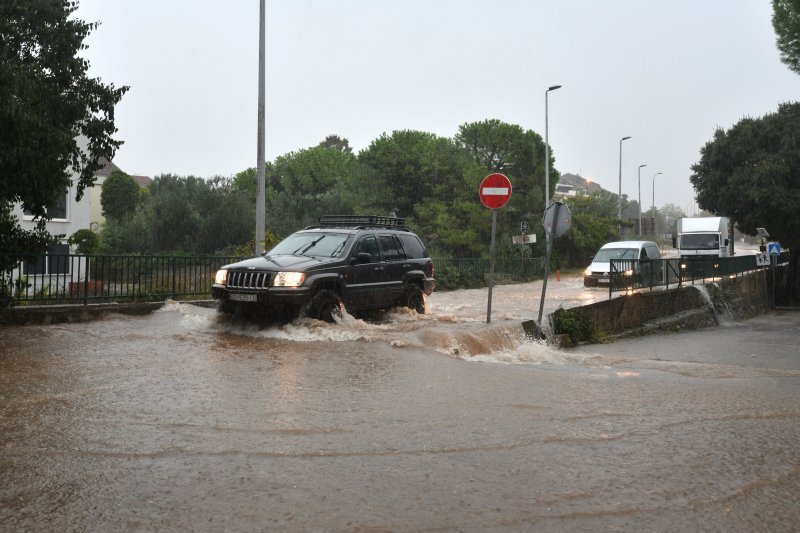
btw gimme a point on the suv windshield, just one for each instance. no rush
(607, 254)
(312, 244)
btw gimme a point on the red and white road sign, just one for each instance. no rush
(495, 190)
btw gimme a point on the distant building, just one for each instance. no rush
(572, 185)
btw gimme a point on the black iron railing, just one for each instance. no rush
(82, 279)
(630, 274)
(69, 279)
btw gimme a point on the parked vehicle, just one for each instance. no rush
(705, 236)
(599, 272)
(365, 263)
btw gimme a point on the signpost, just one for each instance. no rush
(774, 251)
(494, 192)
(557, 220)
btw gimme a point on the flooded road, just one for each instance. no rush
(182, 420)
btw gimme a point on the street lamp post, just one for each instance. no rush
(655, 222)
(640, 198)
(547, 149)
(619, 204)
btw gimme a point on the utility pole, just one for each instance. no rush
(260, 203)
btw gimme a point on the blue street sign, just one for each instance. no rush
(774, 248)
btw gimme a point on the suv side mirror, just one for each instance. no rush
(363, 257)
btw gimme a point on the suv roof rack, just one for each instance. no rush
(362, 221)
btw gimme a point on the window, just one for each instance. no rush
(369, 245)
(56, 212)
(413, 246)
(389, 245)
(55, 262)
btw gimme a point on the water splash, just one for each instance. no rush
(714, 298)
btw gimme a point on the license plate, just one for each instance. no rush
(242, 297)
(603, 280)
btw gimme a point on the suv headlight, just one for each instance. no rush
(289, 279)
(221, 277)
(587, 272)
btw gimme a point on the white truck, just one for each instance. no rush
(704, 236)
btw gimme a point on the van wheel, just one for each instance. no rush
(414, 299)
(326, 306)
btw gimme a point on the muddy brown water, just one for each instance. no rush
(183, 420)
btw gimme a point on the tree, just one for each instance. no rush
(335, 142)
(751, 174)
(119, 195)
(305, 185)
(85, 241)
(786, 21)
(519, 154)
(48, 102)
(403, 169)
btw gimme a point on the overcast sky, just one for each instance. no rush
(665, 73)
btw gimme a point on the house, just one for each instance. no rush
(580, 185)
(56, 271)
(70, 215)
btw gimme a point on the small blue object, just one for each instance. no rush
(774, 248)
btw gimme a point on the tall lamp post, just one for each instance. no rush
(547, 155)
(547, 149)
(619, 205)
(655, 222)
(640, 198)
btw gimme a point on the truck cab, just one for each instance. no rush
(704, 236)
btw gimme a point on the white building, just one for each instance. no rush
(57, 273)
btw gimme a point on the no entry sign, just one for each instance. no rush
(495, 190)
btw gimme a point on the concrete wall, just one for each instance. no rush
(687, 307)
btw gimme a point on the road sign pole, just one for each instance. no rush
(494, 192)
(491, 267)
(547, 259)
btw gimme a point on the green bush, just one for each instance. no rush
(575, 325)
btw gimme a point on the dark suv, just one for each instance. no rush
(367, 263)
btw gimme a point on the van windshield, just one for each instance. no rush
(700, 241)
(605, 255)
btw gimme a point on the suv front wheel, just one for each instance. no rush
(325, 306)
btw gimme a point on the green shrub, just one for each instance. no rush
(575, 325)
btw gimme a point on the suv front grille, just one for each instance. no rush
(248, 280)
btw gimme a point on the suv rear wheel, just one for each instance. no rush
(414, 298)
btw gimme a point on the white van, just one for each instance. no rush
(598, 273)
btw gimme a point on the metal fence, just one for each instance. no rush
(70, 279)
(83, 279)
(454, 273)
(630, 274)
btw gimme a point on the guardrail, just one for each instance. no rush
(631, 274)
(70, 279)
